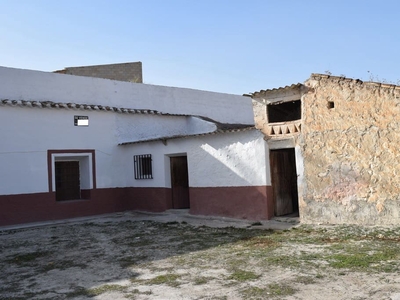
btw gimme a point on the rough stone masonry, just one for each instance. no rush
(350, 145)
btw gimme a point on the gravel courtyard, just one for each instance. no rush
(138, 258)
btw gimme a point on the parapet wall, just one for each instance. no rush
(131, 72)
(350, 143)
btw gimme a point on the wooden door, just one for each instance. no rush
(284, 181)
(67, 180)
(179, 182)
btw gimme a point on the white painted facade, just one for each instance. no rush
(17, 84)
(227, 159)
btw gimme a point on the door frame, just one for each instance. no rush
(293, 182)
(169, 177)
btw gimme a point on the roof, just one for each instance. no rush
(221, 127)
(78, 106)
(218, 131)
(359, 81)
(279, 89)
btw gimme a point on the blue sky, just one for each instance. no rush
(227, 46)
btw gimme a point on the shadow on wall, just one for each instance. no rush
(229, 179)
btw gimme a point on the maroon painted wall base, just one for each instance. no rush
(237, 202)
(26, 208)
(248, 202)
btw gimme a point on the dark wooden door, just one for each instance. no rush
(67, 180)
(179, 182)
(284, 181)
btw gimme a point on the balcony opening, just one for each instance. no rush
(284, 112)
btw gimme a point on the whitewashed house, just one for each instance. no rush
(76, 146)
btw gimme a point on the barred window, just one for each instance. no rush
(142, 165)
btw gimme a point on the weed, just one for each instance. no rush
(133, 294)
(304, 280)
(27, 257)
(241, 275)
(62, 265)
(276, 289)
(202, 280)
(93, 292)
(168, 279)
(254, 293)
(129, 261)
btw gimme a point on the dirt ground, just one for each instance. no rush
(133, 256)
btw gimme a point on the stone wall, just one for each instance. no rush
(350, 144)
(131, 72)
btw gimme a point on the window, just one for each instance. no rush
(284, 112)
(142, 165)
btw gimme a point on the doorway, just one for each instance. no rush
(284, 182)
(179, 182)
(67, 176)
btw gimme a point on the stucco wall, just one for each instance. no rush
(229, 159)
(28, 134)
(351, 158)
(142, 127)
(17, 84)
(232, 159)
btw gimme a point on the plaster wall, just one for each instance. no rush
(140, 127)
(230, 159)
(350, 142)
(17, 84)
(29, 132)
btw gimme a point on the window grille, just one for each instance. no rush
(142, 165)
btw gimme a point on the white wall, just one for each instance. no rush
(17, 84)
(144, 127)
(229, 159)
(234, 159)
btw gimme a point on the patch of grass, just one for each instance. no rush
(304, 280)
(129, 261)
(202, 280)
(133, 294)
(168, 279)
(62, 265)
(27, 257)
(93, 292)
(277, 289)
(365, 256)
(254, 293)
(258, 241)
(379, 261)
(241, 275)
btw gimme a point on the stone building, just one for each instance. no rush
(333, 149)
(131, 72)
